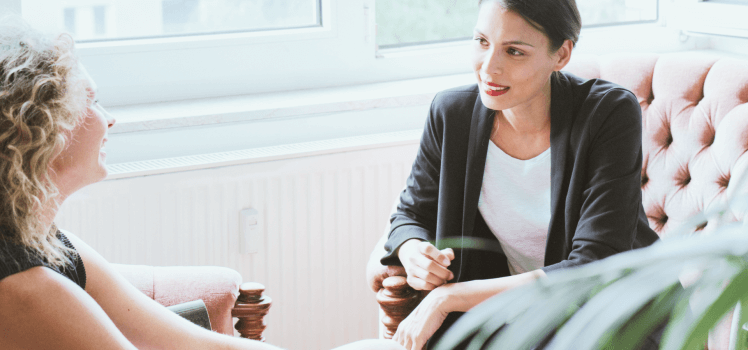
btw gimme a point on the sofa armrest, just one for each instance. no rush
(218, 287)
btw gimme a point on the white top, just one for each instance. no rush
(515, 201)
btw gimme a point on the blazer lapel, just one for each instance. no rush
(561, 102)
(480, 134)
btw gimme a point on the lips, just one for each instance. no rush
(493, 89)
(101, 149)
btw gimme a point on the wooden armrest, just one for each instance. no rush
(397, 300)
(250, 308)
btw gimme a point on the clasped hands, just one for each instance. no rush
(426, 267)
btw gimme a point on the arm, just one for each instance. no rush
(413, 222)
(415, 330)
(416, 211)
(463, 296)
(145, 323)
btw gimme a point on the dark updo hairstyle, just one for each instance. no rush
(558, 19)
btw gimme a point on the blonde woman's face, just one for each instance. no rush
(83, 161)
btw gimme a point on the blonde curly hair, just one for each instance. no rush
(42, 99)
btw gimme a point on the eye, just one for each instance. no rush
(514, 52)
(481, 41)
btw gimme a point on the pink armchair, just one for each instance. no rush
(218, 287)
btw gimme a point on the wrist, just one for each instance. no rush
(451, 299)
(405, 249)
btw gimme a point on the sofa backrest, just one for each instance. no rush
(695, 128)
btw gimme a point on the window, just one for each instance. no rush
(597, 13)
(97, 20)
(416, 22)
(720, 17)
(328, 43)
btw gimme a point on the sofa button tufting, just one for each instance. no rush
(658, 218)
(724, 181)
(701, 226)
(661, 221)
(683, 177)
(709, 139)
(669, 139)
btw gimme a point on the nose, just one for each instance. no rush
(493, 63)
(109, 118)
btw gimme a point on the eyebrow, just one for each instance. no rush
(511, 42)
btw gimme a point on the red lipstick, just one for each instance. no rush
(492, 92)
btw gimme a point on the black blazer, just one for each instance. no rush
(596, 163)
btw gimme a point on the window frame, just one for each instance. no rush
(208, 40)
(341, 52)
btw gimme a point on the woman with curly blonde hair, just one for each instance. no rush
(55, 291)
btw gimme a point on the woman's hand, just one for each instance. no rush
(416, 329)
(425, 265)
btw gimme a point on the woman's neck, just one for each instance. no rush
(530, 118)
(49, 212)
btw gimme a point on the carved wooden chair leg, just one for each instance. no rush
(397, 299)
(250, 308)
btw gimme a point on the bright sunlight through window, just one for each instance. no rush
(413, 22)
(99, 20)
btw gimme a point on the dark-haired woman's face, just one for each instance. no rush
(511, 59)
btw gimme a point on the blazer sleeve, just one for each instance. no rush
(611, 194)
(416, 213)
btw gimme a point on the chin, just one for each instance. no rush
(495, 103)
(102, 172)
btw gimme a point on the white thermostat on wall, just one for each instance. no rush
(249, 231)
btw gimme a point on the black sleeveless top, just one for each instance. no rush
(15, 258)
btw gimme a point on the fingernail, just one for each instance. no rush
(451, 276)
(446, 261)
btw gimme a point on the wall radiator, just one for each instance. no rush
(322, 207)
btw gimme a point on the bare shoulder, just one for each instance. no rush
(76, 242)
(42, 309)
(102, 282)
(88, 254)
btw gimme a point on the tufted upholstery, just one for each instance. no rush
(695, 128)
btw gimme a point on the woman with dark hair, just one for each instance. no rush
(540, 164)
(55, 291)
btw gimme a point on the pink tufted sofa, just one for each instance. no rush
(695, 137)
(695, 122)
(695, 134)
(218, 287)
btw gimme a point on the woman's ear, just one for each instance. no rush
(563, 55)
